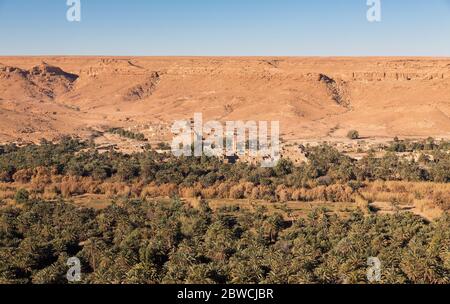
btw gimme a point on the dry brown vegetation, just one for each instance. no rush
(429, 200)
(70, 169)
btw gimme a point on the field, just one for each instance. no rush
(377, 198)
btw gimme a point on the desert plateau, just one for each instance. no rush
(316, 98)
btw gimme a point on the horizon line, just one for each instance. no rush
(227, 56)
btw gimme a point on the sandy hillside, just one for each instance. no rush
(318, 98)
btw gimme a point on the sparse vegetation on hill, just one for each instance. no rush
(127, 134)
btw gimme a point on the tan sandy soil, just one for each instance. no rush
(313, 98)
(426, 211)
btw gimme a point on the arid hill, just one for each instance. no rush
(313, 98)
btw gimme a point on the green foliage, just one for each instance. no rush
(353, 134)
(149, 242)
(429, 144)
(22, 196)
(127, 134)
(163, 146)
(284, 167)
(326, 165)
(155, 242)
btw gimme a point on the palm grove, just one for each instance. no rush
(140, 239)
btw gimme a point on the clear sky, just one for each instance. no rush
(225, 27)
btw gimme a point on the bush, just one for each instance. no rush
(163, 146)
(22, 196)
(284, 167)
(353, 135)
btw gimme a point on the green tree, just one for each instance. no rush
(353, 134)
(22, 196)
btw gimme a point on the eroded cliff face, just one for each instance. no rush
(40, 82)
(311, 97)
(396, 76)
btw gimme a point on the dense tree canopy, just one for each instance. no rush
(325, 164)
(150, 241)
(153, 242)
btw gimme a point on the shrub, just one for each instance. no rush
(442, 200)
(163, 146)
(353, 134)
(23, 176)
(22, 196)
(237, 192)
(284, 167)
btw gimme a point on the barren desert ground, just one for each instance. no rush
(313, 98)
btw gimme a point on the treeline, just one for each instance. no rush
(325, 166)
(127, 134)
(429, 144)
(151, 242)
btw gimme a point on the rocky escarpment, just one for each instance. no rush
(41, 82)
(110, 66)
(379, 97)
(394, 76)
(144, 89)
(336, 89)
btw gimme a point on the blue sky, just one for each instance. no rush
(225, 27)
